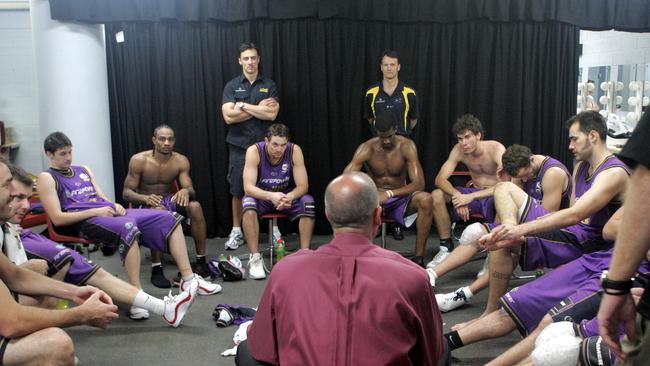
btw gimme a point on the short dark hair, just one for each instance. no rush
(389, 53)
(19, 174)
(590, 121)
(160, 127)
(467, 122)
(56, 140)
(248, 46)
(385, 121)
(277, 129)
(515, 158)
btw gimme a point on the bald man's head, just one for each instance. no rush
(350, 200)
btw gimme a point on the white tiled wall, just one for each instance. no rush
(609, 48)
(18, 103)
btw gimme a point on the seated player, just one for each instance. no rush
(483, 160)
(551, 239)
(73, 200)
(150, 184)
(275, 180)
(570, 292)
(544, 179)
(69, 266)
(392, 163)
(31, 335)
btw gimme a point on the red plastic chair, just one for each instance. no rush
(63, 238)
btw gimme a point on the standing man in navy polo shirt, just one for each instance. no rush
(249, 104)
(390, 95)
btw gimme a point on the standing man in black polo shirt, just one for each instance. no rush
(249, 103)
(390, 95)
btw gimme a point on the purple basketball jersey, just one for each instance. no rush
(76, 191)
(275, 177)
(583, 181)
(533, 187)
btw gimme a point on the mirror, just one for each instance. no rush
(598, 75)
(626, 74)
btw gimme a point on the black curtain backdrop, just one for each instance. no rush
(629, 15)
(518, 78)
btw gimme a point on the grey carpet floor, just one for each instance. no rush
(198, 341)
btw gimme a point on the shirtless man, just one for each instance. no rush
(275, 180)
(150, 183)
(543, 178)
(483, 160)
(31, 335)
(392, 163)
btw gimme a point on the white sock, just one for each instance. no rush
(433, 273)
(236, 229)
(468, 293)
(156, 264)
(188, 277)
(146, 301)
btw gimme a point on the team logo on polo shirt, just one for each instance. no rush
(380, 100)
(239, 90)
(85, 177)
(264, 90)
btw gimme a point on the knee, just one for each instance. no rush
(504, 187)
(249, 215)
(472, 234)
(58, 347)
(438, 197)
(424, 202)
(546, 320)
(195, 210)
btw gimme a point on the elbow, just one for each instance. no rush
(438, 181)
(419, 185)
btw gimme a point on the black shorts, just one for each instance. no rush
(236, 161)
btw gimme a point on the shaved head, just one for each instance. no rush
(350, 200)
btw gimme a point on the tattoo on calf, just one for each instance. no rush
(500, 276)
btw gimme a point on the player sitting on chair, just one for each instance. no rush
(392, 163)
(67, 265)
(275, 180)
(72, 198)
(150, 184)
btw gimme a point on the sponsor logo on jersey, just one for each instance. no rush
(84, 177)
(285, 168)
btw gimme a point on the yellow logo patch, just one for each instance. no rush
(264, 90)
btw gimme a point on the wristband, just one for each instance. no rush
(613, 287)
(390, 193)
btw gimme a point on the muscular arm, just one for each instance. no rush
(360, 157)
(266, 110)
(132, 181)
(250, 175)
(184, 178)
(299, 174)
(606, 187)
(232, 114)
(553, 184)
(416, 176)
(633, 240)
(610, 230)
(50, 200)
(442, 179)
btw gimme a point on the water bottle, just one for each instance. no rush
(62, 304)
(223, 258)
(280, 250)
(539, 272)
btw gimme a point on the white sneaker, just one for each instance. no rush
(451, 301)
(256, 267)
(137, 313)
(234, 241)
(484, 269)
(177, 306)
(432, 277)
(442, 254)
(204, 288)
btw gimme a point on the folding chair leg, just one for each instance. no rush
(383, 235)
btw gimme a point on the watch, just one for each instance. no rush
(240, 105)
(613, 287)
